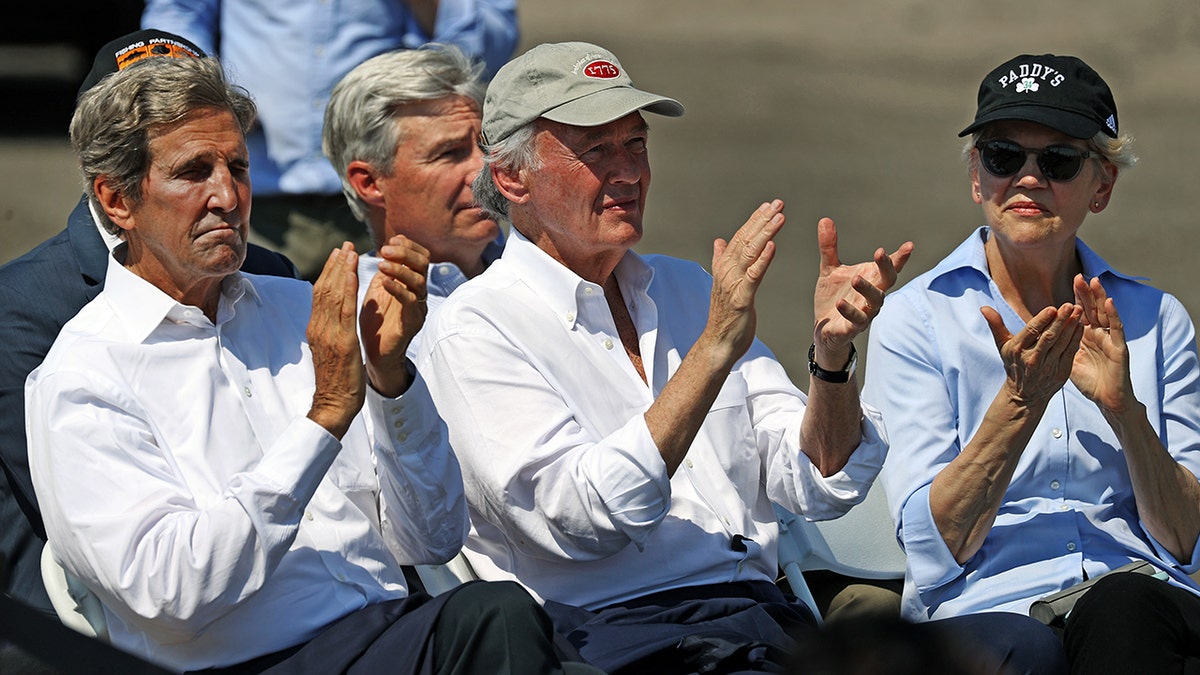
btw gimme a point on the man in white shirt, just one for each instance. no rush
(402, 131)
(621, 431)
(204, 467)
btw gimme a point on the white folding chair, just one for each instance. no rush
(77, 607)
(860, 544)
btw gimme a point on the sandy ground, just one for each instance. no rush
(848, 110)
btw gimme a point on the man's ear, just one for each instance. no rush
(511, 183)
(361, 177)
(115, 204)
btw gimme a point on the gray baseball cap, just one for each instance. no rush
(573, 83)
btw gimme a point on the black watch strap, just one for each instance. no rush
(834, 376)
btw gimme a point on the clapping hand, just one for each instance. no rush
(848, 297)
(393, 312)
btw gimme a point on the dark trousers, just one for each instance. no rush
(1004, 642)
(753, 627)
(720, 628)
(480, 627)
(976, 644)
(1134, 623)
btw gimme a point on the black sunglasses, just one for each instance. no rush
(1002, 159)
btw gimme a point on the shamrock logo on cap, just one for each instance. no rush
(1027, 85)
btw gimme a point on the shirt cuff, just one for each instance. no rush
(929, 559)
(827, 497)
(1189, 568)
(299, 458)
(406, 420)
(628, 473)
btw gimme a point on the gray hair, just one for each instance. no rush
(1118, 151)
(113, 121)
(362, 120)
(514, 152)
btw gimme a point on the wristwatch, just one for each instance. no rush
(834, 376)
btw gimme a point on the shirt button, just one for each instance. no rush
(688, 462)
(443, 270)
(402, 437)
(1070, 546)
(570, 316)
(1054, 485)
(308, 515)
(398, 423)
(726, 521)
(608, 343)
(341, 576)
(398, 409)
(246, 391)
(588, 291)
(1063, 507)
(1057, 433)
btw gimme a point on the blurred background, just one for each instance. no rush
(842, 109)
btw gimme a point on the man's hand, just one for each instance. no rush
(333, 341)
(738, 267)
(392, 313)
(848, 297)
(1038, 358)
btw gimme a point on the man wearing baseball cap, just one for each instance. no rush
(1044, 408)
(622, 433)
(39, 292)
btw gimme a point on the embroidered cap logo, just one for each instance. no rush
(601, 70)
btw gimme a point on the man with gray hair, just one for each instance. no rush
(402, 131)
(197, 436)
(622, 433)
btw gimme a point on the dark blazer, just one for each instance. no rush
(39, 292)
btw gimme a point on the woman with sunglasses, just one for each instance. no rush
(1043, 409)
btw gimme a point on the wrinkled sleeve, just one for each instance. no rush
(1180, 427)
(120, 516)
(422, 507)
(777, 409)
(905, 382)
(484, 29)
(196, 20)
(556, 490)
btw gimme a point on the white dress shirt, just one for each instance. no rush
(180, 478)
(568, 493)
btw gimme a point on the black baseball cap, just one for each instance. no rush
(133, 47)
(1061, 92)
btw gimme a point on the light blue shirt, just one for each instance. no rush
(289, 55)
(1069, 512)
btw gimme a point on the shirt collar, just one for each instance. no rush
(142, 307)
(559, 286)
(971, 254)
(111, 241)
